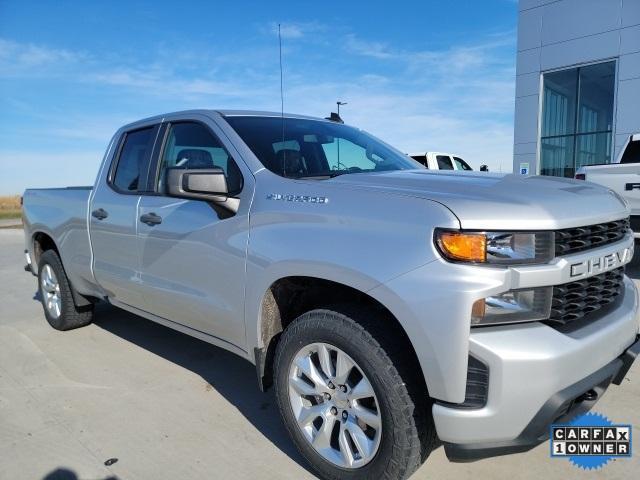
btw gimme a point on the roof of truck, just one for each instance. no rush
(260, 113)
(224, 113)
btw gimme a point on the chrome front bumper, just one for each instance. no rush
(529, 366)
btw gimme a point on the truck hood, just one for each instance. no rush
(501, 202)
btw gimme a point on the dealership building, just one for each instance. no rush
(577, 83)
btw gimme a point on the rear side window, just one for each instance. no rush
(444, 162)
(461, 164)
(133, 164)
(632, 153)
(422, 159)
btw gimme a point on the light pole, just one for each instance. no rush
(338, 103)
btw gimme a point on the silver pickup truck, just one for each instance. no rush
(392, 308)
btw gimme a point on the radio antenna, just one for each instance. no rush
(284, 163)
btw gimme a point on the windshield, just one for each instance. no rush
(632, 153)
(300, 148)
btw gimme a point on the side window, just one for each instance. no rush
(422, 159)
(192, 145)
(461, 164)
(444, 162)
(632, 153)
(133, 163)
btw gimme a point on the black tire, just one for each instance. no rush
(70, 316)
(408, 432)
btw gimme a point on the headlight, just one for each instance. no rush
(528, 305)
(496, 248)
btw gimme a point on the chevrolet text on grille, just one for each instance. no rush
(601, 264)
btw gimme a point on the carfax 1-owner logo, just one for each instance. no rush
(590, 441)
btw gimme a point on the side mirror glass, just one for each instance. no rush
(203, 184)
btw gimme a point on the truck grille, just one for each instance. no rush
(578, 239)
(573, 301)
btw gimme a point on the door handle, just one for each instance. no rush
(151, 219)
(100, 214)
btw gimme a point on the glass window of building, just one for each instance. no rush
(577, 118)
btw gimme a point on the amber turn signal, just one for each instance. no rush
(460, 246)
(478, 310)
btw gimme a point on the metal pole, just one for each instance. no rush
(338, 103)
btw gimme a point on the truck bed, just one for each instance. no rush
(62, 214)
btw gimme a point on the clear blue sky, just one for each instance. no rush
(423, 75)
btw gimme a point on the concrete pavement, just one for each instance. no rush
(168, 406)
(10, 222)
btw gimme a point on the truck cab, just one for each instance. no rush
(441, 161)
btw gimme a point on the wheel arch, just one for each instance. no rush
(289, 297)
(41, 242)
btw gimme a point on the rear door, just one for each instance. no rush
(113, 218)
(193, 253)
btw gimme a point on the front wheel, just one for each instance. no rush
(348, 398)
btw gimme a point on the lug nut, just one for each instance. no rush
(327, 396)
(331, 386)
(345, 415)
(334, 411)
(343, 388)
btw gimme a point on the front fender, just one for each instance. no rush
(359, 238)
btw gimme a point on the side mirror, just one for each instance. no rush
(201, 184)
(209, 184)
(484, 168)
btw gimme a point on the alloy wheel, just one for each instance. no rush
(51, 291)
(334, 405)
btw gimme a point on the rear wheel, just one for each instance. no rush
(55, 293)
(350, 401)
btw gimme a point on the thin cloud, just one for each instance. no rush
(294, 30)
(458, 57)
(18, 58)
(458, 98)
(372, 49)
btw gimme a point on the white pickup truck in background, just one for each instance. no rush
(441, 161)
(622, 176)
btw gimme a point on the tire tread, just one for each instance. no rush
(71, 316)
(414, 433)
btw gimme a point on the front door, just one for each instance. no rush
(192, 253)
(113, 217)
